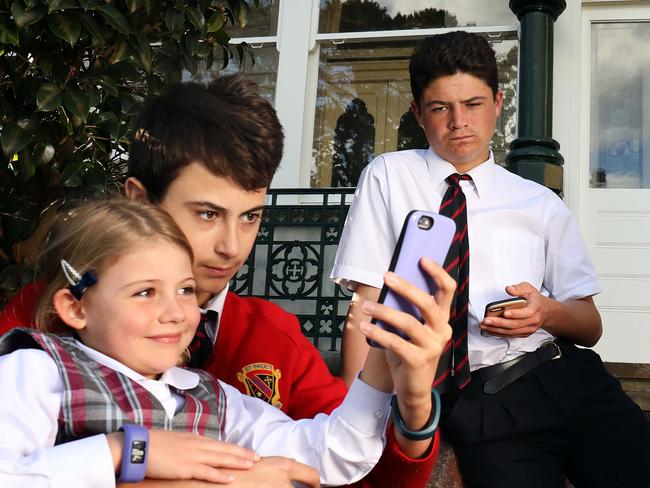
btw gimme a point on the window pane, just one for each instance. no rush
(374, 15)
(619, 145)
(263, 21)
(362, 106)
(263, 71)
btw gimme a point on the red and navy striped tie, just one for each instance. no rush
(453, 368)
(201, 348)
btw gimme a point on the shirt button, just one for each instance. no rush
(379, 414)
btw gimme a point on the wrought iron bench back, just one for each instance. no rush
(292, 258)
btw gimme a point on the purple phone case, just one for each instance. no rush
(413, 244)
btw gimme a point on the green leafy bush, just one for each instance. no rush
(73, 74)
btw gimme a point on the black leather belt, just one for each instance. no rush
(495, 378)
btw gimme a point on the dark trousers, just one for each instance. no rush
(569, 418)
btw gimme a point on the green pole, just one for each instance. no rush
(535, 154)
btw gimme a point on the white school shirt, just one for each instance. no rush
(518, 231)
(343, 446)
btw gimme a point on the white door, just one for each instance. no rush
(614, 189)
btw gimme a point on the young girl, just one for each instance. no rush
(99, 394)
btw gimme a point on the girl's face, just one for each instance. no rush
(143, 310)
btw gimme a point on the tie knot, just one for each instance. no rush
(453, 179)
(209, 315)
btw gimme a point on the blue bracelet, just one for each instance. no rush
(429, 430)
(134, 453)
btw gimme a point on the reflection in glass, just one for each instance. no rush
(263, 21)
(377, 15)
(354, 143)
(409, 134)
(619, 151)
(363, 100)
(262, 69)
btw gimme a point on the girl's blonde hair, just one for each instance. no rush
(91, 236)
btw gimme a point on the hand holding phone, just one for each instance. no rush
(498, 308)
(423, 234)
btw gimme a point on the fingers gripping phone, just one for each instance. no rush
(423, 234)
(497, 309)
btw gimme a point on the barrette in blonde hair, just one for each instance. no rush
(78, 283)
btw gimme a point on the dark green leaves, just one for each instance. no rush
(79, 173)
(174, 20)
(65, 26)
(42, 153)
(196, 18)
(115, 18)
(25, 17)
(98, 34)
(73, 173)
(216, 22)
(8, 32)
(143, 54)
(74, 76)
(48, 97)
(55, 5)
(242, 13)
(76, 103)
(14, 138)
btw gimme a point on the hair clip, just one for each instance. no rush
(78, 283)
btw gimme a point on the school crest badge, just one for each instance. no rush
(261, 381)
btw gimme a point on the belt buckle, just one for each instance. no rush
(559, 351)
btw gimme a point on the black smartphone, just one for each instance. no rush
(424, 234)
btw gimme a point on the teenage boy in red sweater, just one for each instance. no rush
(207, 156)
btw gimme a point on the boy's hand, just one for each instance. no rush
(520, 322)
(413, 363)
(185, 456)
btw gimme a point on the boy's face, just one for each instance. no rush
(220, 220)
(143, 311)
(458, 114)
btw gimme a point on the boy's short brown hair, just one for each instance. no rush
(450, 53)
(226, 126)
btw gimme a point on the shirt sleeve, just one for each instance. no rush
(343, 446)
(569, 273)
(367, 241)
(28, 456)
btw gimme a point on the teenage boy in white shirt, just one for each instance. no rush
(561, 415)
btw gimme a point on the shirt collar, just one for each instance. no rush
(179, 378)
(217, 302)
(439, 170)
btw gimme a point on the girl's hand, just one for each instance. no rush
(413, 363)
(270, 472)
(184, 456)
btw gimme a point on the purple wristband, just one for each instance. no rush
(134, 453)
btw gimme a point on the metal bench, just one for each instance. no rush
(291, 260)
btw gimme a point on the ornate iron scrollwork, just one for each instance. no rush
(292, 257)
